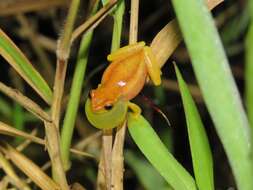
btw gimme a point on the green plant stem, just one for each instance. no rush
(218, 86)
(117, 25)
(64, 43)
(74, 99)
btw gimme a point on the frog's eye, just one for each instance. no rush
(107, 119)
(108, 107)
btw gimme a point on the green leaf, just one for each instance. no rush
(22, 65)
(148, 176)
(200, 149)
(218, 86)
(158, 155)
(249, 69)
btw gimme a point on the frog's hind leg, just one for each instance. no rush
(136, 110)
(125, 51)
(153, 68)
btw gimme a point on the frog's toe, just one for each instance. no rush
(136, 110)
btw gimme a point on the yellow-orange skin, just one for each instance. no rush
(123, 79)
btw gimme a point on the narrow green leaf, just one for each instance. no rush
(158, 155)
(249, 68)
(25, 69)
(75, 93)
(218, 86)
(148, 176)
(200, 149)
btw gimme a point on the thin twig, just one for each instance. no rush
(27, 103)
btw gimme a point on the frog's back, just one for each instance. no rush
(125, 78)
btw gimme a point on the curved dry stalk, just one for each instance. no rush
(168, 39)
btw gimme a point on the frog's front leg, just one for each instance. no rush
(153, 68)
(125, 51)
(134, 108)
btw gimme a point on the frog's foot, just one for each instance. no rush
(136, 110)
(125, 51)
(154, 70)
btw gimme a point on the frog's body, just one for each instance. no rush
(125, 77)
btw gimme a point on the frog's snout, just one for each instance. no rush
(98, 100)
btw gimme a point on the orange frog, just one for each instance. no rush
(125, 77)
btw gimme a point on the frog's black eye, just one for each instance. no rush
(108, 107)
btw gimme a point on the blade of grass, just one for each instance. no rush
(249, 68)
(147, 175)
(167, 40)
(27, 103)
(25, 69)
(11, 131)
(158, 155)
(200, 149)
(29, 168)
(217, 85)
(75, 92)
(15, 180)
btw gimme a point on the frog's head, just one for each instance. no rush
(100, 100)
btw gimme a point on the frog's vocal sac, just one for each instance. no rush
(125, 77)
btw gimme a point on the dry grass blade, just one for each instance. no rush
(11, 131)
(4, 182)
(22, 6)
(30, 169)
(21, 64)
(167, 40)
(25, 102)
(8, 130)
(14, 179)
(94, 20)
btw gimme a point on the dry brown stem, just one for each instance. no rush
(27, 103)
